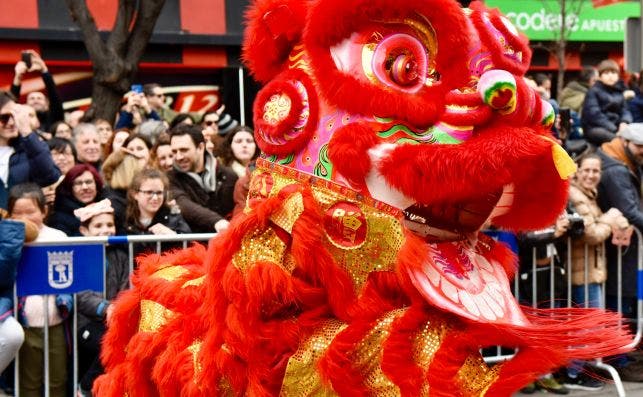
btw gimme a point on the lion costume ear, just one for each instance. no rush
(273, 28)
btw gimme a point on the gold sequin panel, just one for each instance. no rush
(380, 238)
(260, 245)
(426, 343)
(367, 356)
(301, 378)
(153, 316)
(475, 377)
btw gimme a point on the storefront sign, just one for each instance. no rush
(541, 20)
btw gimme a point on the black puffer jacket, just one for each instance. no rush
(166, 217)
(604, 107)
(620, 188)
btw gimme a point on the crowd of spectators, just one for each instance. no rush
(604, 133)
(155, 171)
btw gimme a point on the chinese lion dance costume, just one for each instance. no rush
(391, 134)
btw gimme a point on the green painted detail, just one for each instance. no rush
(397, 128)
(272, 159)
(500, 85)
(324, 168)
(443, 137)
(287, 160)
(383, 119)
(540, 19)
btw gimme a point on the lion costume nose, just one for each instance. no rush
(564, 164)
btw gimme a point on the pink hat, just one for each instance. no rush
(89, 211)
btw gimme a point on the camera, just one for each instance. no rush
(576, 224)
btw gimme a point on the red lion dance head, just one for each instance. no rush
(391, 134)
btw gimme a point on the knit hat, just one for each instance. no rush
(608, 65)
(89, 211)
(633, 133)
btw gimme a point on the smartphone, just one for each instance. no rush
(565, 120)
(26, 58)
(137, 88)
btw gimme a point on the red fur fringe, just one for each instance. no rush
(348, 149)
(272, 28)
(519, 43)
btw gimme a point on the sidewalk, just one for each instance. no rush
(631, 390)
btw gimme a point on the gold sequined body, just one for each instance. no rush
(362, 236)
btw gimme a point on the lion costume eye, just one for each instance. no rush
(398, 61)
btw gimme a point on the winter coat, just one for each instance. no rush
(30, 162)
(573, 95)
(604, 107)
(165, 217)
(91, 305)
(63, 217)
(13, 236)
(620, 188)
(598, 228)
(202, 209)
(635, 105)
(118, 198)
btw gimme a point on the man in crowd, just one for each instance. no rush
(49, 109)
(156, 101)
(203, 189)
(87, 143)
(23, 156)
(620, 187)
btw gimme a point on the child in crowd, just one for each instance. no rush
(149, 210)
(13, 233)
(27, 202)
(95, 308)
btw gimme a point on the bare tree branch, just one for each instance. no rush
(83, 18)
(148, 11)
(117, 40)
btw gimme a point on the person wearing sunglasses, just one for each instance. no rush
(23, 156)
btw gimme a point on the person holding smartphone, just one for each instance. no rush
(136, 110)
(49, 108)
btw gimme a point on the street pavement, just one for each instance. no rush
(631, 390)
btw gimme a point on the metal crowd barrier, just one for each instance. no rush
(499, 354)
(130, 241)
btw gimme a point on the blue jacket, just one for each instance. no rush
(13, 236)
(604, 107)
(31, 162)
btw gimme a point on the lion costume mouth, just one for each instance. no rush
(457, 221)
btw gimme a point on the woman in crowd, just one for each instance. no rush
(119, 170)
(162, 157)
(182, 118)
(586, 282)
(63, 153)
(116, 141)
(27, 202)
(239, 149)
(82, 185)
(105, 132)
(60, 129)
(148, 208)
(94, 308)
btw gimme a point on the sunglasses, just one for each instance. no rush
(209, 123)
(4, 117)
